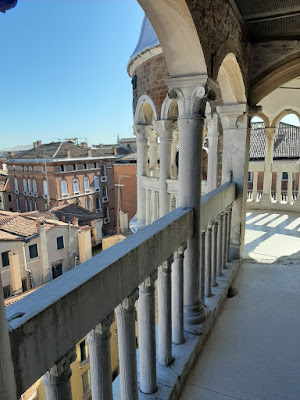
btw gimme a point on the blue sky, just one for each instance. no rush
(63, 66)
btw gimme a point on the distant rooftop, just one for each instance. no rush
(286, 145)
(16, 149)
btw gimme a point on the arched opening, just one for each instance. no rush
(64, 188)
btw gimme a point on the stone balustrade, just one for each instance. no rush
(45, 326)
(284, 197)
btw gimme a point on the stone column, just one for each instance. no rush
(154, 205)
(127, 348)
(278, 186)
(208, 247)
(224, 240)
(228, 212)
(290, 188)
(177, 297)
(165, 131)
(100, 361)
(219, 245)
(254, 193)
(213, 139)
(57, 380)
(148, 206)
(202, 267)
(175, 138)
(8, 388)
(236, 142)
(164, 314)
(191, 93)
(152, 137)
(142, 161)
(147, 342)
(214, 253)
(270, 134)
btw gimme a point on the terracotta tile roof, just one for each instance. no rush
(14, 299)
(286, 144)
(9, 236)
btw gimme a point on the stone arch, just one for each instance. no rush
(278, 118)
(277, 77)
(169, 109)
(262, 116)
(173, 24)
(231, 81)
(145, 111)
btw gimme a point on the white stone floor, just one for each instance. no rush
(253, 352)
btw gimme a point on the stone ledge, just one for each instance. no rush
(171, 379)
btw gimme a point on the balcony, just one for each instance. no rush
(114, 280)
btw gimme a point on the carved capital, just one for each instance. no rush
(102, 331)
(128, 304)
(140, 132)
(270, 133)
(164, 129)
(148, 286)
(230, 114)
(61, 370)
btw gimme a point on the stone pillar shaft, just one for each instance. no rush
(290, 187)
(154, 205)
(57, 380)
(229, 212)
(127, 348)
(100, 361)
(224, 240)
(142, 160)
(213, 140)
(208, 281)
(148, 206)
(278, 187)
(214, 253)
(255, 176)
(270, 133)
(219, 245)
(202, 267)
(174, 169)
(152, 137)
(147, 346)
(164, 314)
(177, 298)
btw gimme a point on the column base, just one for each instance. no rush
(194, 316)
(266, 198)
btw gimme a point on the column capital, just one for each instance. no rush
(191, 92)
(128, 304)
(230, 113)
(152, 135)
(148, 285)
(141, 132)
(101, 332)
(164, 129)
(270, 133)
(61, 371)
(211, 122)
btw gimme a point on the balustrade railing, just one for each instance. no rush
(45, 326)
(284, 193)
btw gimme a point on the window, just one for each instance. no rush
(88, 204)
(43, 168)
(103, 170)
(98, 204)
(86, 384)
(96, 183)
(249, 176)
(31, 169)
(285, 176)
(95, 165)
(104, 191)
(24, 284)
(45, 187)
(6, 291)
(74, 167)
(9, 197)
(29, 185)
(13, 167)
(64, 188)
(56, 271)
(16, 184)
(60, 243)
(5, 259)
(34, 186)
(24, 185)
(75, 186)
(85, 166)
(62, 168)
(86, 184)
(33, 251)
(106, 214)
(83, 356)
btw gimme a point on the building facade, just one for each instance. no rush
(62, 173)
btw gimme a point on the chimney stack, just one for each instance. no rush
(69, 153)
(89, 152)
(11, 154)
(115, 150)
(84, 145)
(74, 221)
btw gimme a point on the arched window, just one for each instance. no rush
(98, 204)
(45, 187)
(24, 186)
(75, 186)
(16, 185)
(88, 204)
(86, 183)
(29, 186)
(96, 183)
(103, 170)
(64, 188)
(34, 186)
(106, 212)
(104, 191)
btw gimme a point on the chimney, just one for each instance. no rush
(69, 153)
(11, 154)
(36, 144)
(37, 224)
(89, 152)
(63, 218)
(74, 221)
(115, 150)
(84, 145)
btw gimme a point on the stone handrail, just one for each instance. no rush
(45, 326)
